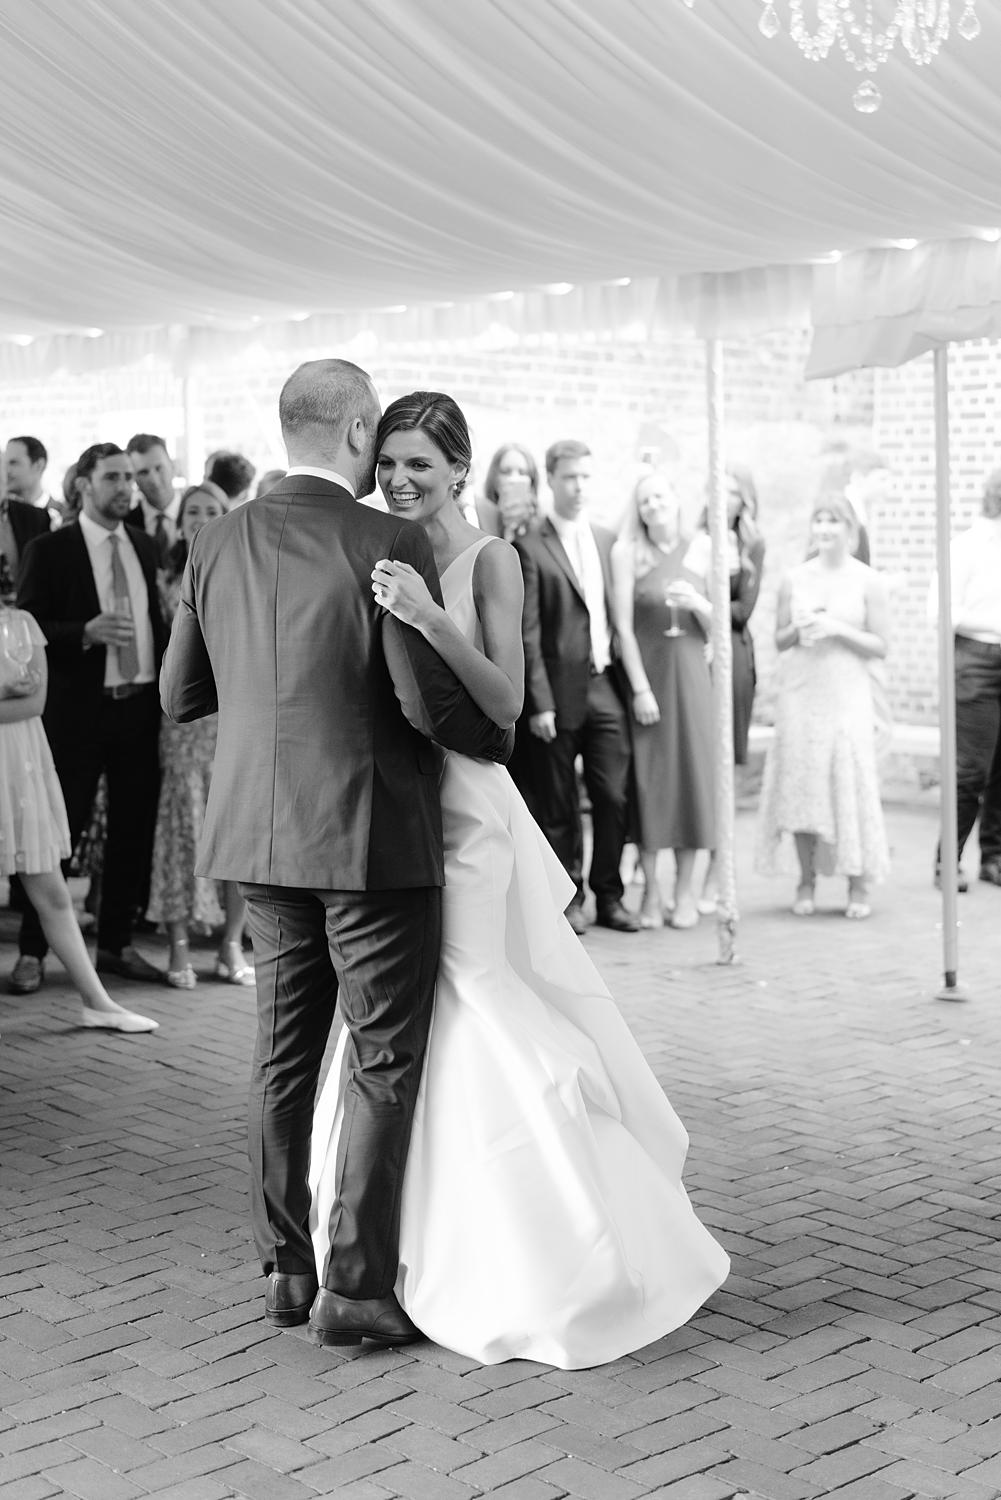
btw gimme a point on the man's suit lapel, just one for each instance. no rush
(550, 536)
(80, 567)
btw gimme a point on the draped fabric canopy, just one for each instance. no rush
(446, 167)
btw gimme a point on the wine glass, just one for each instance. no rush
(16, 642)
(672, 608)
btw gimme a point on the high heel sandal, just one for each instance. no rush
(803, 905)
(184, 977)
(232, 966)
(858, 907)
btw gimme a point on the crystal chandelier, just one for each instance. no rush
(921, 25)
(864, 40)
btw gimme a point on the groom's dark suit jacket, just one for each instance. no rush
(324, 776)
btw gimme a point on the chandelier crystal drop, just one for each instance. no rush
(866, 32)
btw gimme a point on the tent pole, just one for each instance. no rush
(948, 848)
(727, 915)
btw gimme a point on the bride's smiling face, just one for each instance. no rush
(414, 475)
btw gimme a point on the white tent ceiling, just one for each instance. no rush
(219, 164)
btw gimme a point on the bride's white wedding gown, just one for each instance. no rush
(543, 1212)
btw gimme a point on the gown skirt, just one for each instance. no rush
(543, 1215)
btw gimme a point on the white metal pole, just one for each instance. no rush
(948, 849)
(727, 915)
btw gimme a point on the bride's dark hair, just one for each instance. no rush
(436, 414)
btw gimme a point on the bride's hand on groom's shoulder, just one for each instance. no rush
(400, 588)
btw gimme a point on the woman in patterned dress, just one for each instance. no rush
(178, 897)
(821, 786)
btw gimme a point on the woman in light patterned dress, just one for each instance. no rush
(821, 786)
(178, 897)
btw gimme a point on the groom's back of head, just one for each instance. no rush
(318, 402)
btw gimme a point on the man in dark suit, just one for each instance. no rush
(25, 461)
(91, 586)
(155, 512)
(571, 691)
(324, 806)
(19, 524)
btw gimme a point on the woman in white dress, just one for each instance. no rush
(821, 783)
(543, 1211)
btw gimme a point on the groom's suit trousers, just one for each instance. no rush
(377, 953)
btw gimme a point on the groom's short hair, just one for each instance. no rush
(324, 395)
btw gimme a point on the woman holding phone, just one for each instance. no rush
(509, 504)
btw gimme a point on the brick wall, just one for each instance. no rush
(903, 521)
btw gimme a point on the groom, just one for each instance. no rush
(324, 806)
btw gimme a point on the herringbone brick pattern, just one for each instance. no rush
(845, 1147)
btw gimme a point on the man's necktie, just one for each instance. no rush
(160, 540)
(128, 656)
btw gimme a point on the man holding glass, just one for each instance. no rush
(91, 586)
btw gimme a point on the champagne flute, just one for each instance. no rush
(674, 629)
(16, 642)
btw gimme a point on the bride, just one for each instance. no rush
(543, 1215)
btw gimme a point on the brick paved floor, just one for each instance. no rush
(845, 1147)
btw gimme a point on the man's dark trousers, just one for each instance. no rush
(602, 742)
(978, 744)
(123, 742)
(377, 953)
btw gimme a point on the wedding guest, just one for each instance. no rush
(509, 507)
(72, 498)
(178, 897)
(976, 619)
(156, 511)
(19, 524)
(34, 833)
(821, 786)
(25, 461)
(91, 586)
(662, 614)
(509, 503)
(234, 475)
(267, 482)
(572, 693)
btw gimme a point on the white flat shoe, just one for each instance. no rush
(116, 1020)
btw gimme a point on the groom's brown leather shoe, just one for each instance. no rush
(288, 1298)
(340, 1320)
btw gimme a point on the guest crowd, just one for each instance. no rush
(617, 713)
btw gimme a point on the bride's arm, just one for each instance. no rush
(495, 677)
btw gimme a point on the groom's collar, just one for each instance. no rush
(328, 474)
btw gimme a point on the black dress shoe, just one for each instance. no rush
(615, 916)
(962, 884)
(289, 1297)
(340, 1320)
(27, 975)
(129, 964)
(990, 871)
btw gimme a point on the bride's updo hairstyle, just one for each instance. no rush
(437, 415)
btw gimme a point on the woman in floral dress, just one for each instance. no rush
(178, 897)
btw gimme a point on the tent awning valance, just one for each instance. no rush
(225, 165)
